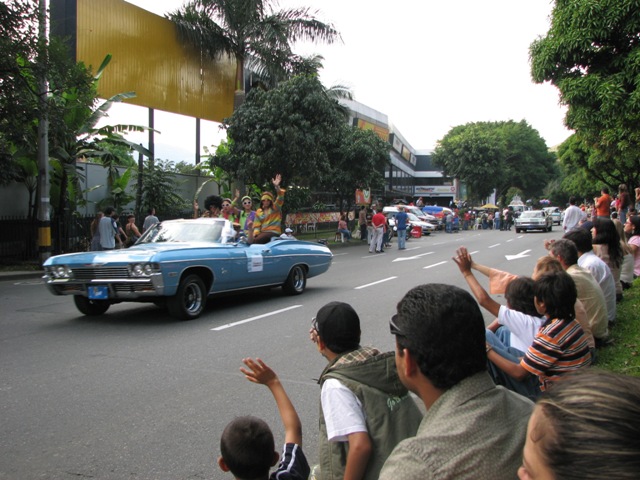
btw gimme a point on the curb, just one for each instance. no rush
(20, 275)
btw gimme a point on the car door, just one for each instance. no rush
(253, 265)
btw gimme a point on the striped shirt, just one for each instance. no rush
(270, 220)
(559, 347)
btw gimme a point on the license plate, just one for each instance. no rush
(98, 293)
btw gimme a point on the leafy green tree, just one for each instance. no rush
(591, 55)
(358, 162)
(475, 153)
(292, 130)
(158, 189)
(249, 31)
(18, 96)
(530, 165)
(497, 155)
(574, 155)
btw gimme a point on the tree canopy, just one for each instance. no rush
(592, 55)
(291, 129)
(299, 129)
(496, 155)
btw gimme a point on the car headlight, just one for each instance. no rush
(59, 271)
(143, 269)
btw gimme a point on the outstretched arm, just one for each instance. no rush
(514, 370)
(483, 269)
(463, 260)
(259, 372)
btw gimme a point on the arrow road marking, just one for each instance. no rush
(519, 255)
(402, 259)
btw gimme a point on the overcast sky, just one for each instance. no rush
(428, 65)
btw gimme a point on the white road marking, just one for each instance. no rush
(338, 254)
(434, 265)
(474, 252)
(402, 259)
(517, 256)
(375, 283)
(229, 325)
(494, 246)
(510, 240)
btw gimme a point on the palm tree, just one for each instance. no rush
(251, 32)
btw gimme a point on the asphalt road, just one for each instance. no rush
(134, 394)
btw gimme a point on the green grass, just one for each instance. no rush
(623, 354)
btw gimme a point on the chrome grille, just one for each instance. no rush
(100, 273)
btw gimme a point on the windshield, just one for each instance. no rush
(205, 230)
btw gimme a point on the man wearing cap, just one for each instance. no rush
(268, 220)
(472, 428)
(364, 409)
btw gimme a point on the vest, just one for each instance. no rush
(391, 414)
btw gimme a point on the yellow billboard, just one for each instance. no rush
(150, 60)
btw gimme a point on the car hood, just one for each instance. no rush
(138, 253)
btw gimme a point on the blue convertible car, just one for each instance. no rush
(182, 262)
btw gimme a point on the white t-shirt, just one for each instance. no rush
(343, 413)
(523, 327)
(572, 217)
(602, 273)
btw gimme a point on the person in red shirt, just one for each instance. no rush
(603, 204)
(379, 223)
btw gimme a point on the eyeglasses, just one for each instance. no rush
(247, 202)
(394, 328)
(314, 324)
(226, 205)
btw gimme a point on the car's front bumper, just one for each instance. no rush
(120, 284)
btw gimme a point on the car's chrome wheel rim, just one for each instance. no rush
(298, 279)
(192, 298)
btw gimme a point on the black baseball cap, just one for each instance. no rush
(338, 326)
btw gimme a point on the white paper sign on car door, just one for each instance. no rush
(255, 263)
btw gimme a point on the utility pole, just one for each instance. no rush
(44, 219)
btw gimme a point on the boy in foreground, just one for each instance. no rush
(247, 445)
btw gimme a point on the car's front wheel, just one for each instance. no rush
(296, 281)
(190, 299)
(91, 307)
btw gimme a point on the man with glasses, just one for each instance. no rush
(364, 409)
(472, 428)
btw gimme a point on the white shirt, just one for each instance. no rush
(602, 273)
(343, 412)
(523, 327)
(572, 217)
